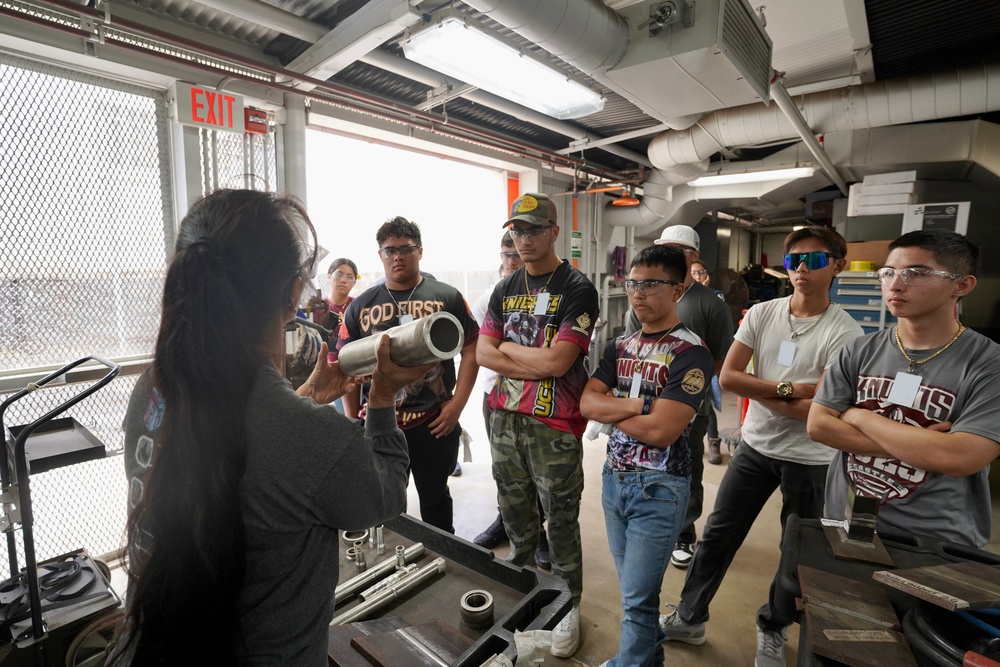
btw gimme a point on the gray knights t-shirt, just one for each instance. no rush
(961, 386)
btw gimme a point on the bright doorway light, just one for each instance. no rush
(463, 51)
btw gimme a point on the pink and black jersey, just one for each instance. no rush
(569, 315)
(675, 366)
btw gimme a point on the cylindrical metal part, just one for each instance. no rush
(437, 337)
(400, 559)
(379, 540)
(477, 609)
(350, 537)
(387, 595)
(391, 580)
(359, 560)
(351, 553)
(352, 586)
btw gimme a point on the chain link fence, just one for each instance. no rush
(86, 224)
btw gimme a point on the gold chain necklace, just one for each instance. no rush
(527, 289)
(641, 363)
(913, 362)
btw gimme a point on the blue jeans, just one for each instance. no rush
(643, 513)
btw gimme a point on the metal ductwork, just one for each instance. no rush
(584, 33)
(945, 94)
(656, 198)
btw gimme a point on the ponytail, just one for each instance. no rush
(237, 252)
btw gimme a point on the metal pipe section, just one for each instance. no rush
(352, 586)
(393, 579)
(384, 597)
(787, 106)
(437, 337)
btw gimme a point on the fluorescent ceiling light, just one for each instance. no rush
(753, 177)
(465, 52)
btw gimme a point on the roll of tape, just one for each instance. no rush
(477, 609)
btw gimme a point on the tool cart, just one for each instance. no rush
(44, 606)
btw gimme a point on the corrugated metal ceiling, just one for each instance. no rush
(812, 42)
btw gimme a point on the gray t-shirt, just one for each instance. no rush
(309, 472)
(961, 386)
(764, 328)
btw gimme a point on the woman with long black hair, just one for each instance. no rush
(237, 483)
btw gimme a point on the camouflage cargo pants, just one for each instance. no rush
(534, 463)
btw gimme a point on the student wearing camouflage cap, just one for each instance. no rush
(535, 336)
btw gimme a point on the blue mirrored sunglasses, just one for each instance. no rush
(813, 260)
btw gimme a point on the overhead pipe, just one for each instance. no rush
(942, 94)
(337, 94)
(784, 102)
(270, 16)
(585, 33)
(656, 198)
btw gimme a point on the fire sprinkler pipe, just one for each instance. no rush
(781, 97)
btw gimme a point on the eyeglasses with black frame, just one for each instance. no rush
(648, 287)
(532, 233)
(814, 260)
(915, 275)
(389, 251)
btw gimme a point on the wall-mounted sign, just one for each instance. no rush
(205, 107)
(950, 216)
(576, 244)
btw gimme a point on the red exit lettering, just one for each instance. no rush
(218, 107)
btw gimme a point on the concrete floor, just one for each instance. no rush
(731, 635)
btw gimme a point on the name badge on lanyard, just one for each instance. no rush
(786, 353)
(405, 319)
(541, 303)
(633, 391)
(904, 389)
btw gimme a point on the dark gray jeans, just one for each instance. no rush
(748, 483)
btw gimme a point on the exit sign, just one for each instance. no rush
(209, 108)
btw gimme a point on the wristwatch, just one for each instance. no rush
(785, 389)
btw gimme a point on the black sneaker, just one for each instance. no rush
(542, 559)
(493, 536)
(683, 553)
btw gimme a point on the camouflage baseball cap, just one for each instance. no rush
(534, 208)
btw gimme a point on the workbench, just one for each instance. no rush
(804, 543)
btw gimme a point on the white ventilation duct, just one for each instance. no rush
(944, 94)
(584, 33)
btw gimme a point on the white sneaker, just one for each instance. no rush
(771, 648)
(566, 635)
